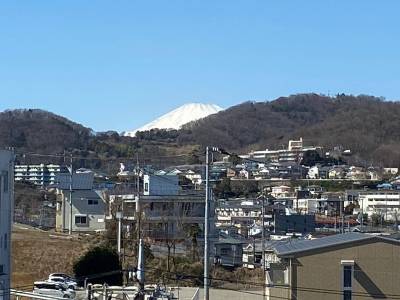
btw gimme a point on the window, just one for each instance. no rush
(347, 274)
(146, 187)
(93, 201)
(225, 251)
(79, 220)
(347, 279)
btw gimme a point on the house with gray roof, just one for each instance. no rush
(82, 207)
(344, 266)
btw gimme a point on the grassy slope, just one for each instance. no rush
(36, 254)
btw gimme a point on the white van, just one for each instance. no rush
(54, 289)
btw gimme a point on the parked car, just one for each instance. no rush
(54, 289)
(63, 275)
(63, 278)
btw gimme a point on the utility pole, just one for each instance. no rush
(64, 204)
(263, 242)
(209, 150)
(362, 213)
(138, 207)
(140, 274)
(206, 223)
(119, 217)
(342, 213)
(70, 196)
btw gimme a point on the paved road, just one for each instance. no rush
(186, 293)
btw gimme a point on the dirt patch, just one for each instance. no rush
(36, 254)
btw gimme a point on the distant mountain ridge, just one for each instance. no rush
(367, 125)
(178, 117)
(37, 130)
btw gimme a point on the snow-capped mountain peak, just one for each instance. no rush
(178, 117)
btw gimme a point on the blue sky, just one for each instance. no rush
(119, 64)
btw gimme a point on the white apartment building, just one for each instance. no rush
(6, 213)
(294, 152)
(382, 202)
(42, 175)
(307, 205)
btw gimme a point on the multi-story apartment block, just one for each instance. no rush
(385, 203)
(165, 210)
(294, 153)
(6, 212)
(41, 175)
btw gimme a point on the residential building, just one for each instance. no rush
(252, 254)
(42, 175)
(281, 191)
(166, 210)
(337, 172)
(343, 266)
(315, 190)
(320, 172)
(307, 205)
(6, 214)
(229, 251)
(86, 211)
(357, 173)
(385, 203)
(245, 214)
(231, 172)
(194, 177)
(294, 153)
(241, 213)
(294, 223)
(390, 171)
(160, 185)
(78, 180)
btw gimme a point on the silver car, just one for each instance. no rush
(54, 289)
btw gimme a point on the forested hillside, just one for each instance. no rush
(34, 131)
(369, 126)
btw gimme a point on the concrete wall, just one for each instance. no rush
(376, 272)
(6, 213)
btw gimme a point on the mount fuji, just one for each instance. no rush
(178, 117)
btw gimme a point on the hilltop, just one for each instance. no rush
(178, 117)
(367, 125)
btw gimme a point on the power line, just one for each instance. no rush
(61, 156)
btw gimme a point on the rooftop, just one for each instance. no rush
(294, 247)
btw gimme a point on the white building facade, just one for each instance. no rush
(385, 203)
(6, 213)
(42, 175)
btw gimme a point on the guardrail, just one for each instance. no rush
(196, 294)
(19, 294)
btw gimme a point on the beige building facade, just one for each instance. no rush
(357, 267)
